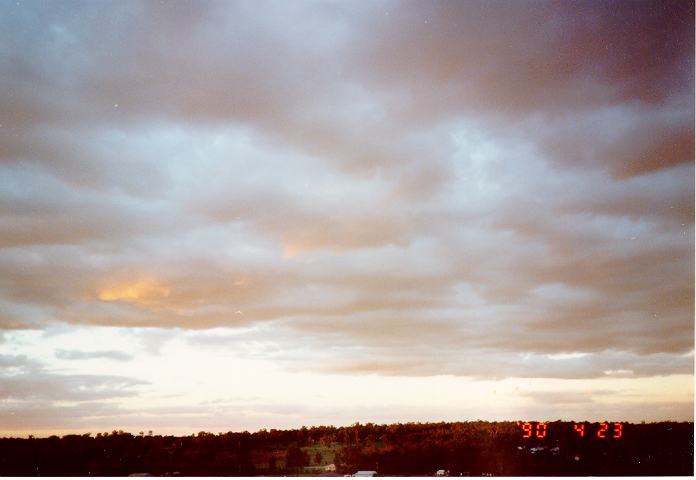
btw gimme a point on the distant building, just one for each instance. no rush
(331, 467)
(442, 473)
(365, 473)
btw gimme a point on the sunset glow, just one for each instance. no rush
(141, 291)
(229, 215)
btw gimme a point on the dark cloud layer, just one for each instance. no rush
(431, 181)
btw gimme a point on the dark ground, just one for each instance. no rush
(462, 448)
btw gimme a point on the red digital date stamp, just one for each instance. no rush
(602, 430)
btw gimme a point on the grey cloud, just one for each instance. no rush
(26, 385)
(536, 56)
(661, 196)
(39, 384)
(21, 362)
(472, 175)
(648, 411)
(39, 417)
(82, 355)
(416, 348)
(34, 398)
(562, 397)
(628, 140)
(523, 59)
(544, 68)
(492, 364)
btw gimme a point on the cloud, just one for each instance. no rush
(540, 57)
(55, 387)
(416, 348)
(25, 379)
(440, 187)
(80, 355)
(21, 362)
(37, 398)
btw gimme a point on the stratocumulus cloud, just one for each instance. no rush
(484, 190)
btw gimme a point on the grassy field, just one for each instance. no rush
(327, 452)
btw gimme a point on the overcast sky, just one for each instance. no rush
(236, 215)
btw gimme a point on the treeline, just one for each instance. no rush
(461, 448)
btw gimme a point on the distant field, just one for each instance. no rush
(327, 452)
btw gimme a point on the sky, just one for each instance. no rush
(235, 215)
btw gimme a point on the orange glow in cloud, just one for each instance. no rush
(142, 291)
(290, 250)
